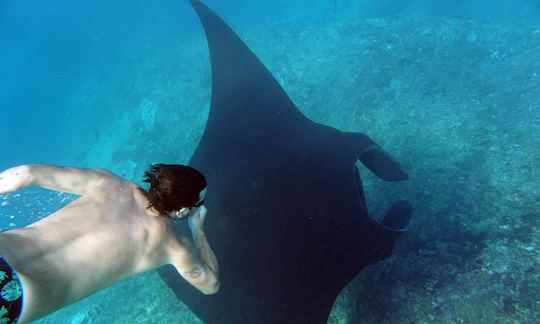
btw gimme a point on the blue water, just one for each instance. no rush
(121, 84)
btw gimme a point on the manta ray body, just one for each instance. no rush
(287, 213)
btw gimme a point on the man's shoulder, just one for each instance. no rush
(110, 180)
(107, 175)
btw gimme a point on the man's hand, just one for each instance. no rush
(196, 220)
(14, 179)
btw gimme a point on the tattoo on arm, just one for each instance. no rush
(194, 272)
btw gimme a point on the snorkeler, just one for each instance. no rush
(114, 230)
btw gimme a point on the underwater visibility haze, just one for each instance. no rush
(451, 89)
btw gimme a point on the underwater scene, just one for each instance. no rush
(450, 88)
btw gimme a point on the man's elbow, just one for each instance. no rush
(211, 287)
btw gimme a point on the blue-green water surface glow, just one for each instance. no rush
(452, 88)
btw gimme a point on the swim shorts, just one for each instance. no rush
(10, 294)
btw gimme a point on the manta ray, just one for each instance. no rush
(287, 213)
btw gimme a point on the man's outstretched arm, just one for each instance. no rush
(66, 179)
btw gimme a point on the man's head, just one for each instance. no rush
(175, 190)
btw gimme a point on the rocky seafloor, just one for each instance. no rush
(457, 102)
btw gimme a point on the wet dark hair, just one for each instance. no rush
(172, 187)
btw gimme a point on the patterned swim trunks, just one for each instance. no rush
(10, 294)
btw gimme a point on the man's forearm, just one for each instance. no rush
(29, 175)
(205, 251)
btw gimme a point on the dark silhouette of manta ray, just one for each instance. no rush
(288, 218)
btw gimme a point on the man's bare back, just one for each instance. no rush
(106, 235)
